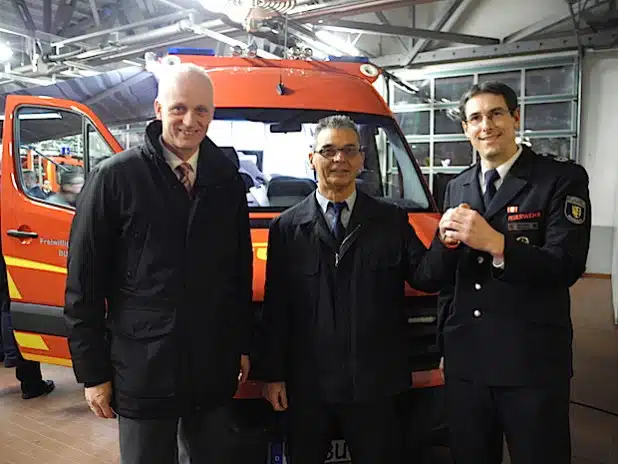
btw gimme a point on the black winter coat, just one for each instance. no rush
(334, 317)
(159, 285)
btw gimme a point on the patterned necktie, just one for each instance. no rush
(337, 227)
(184, 176)
(491, 177)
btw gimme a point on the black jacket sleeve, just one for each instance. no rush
(276, 306)
(91, 250)
(244, 272)
(562, 258)
(430, 269)
(447, 290)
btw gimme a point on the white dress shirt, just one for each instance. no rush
(503, 170)
(174, 161)
(329, 213)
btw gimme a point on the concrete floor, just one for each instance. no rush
(60, 428)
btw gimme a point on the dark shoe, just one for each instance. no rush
(46, 387)
(10, 362)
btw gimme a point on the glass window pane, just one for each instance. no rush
(98, 149)
(414, 123)
(548, 116)
(450, 89)
(512, 79)
(420, 93)
(421, 153)
(558, 146)
(447, 121)
(51, 148)
(550, 81)
(452, 154)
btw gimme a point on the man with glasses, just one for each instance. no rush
(521, 225)
(335, 344)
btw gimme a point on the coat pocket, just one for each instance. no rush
(137, 243)
(143, 352)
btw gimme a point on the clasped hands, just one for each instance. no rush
(465, 225)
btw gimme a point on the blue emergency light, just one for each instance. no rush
(191, 51)
(348, 59)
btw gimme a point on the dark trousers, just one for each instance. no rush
(27, 372)
(8, 345)
(371, 431)
(204, 437)
(534, 420)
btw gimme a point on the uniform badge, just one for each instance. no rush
(575, 210)
(523, 239)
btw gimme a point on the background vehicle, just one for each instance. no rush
(264, 121)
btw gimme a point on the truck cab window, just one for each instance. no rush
(52, 150)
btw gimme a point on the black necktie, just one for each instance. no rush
(337, 227)
(491, 177)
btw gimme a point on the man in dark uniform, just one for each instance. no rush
(336, 270)
(521, 225)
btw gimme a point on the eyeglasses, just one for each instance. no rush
(494, 116)
(330, 152)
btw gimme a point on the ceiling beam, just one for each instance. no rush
(64, 14)
(148, 22)
(24, 14)
(604, 39)
(384, 20)
(144, 8)
(450, 16)
(377, 29)
(47, 15)
(551, 21)
(95, 13)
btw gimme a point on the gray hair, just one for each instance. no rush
(171, 76)
(338, 121)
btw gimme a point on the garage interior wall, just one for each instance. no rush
(598, 155)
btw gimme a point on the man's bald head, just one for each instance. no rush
(185, 107)
(179, 74)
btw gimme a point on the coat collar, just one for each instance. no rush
(515, 180)
(309, 212)
(213, 167)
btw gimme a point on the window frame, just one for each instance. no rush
(477, 70)
(85, 123)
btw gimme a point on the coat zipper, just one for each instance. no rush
(339, 253)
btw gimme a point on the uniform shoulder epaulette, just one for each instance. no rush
(559, 159)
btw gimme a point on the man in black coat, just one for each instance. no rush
(334, 315)
(522, 223)
(159, 282)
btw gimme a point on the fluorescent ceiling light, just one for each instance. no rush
(36, 116)
(5, 52)
(337, 42)
(216, 6)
